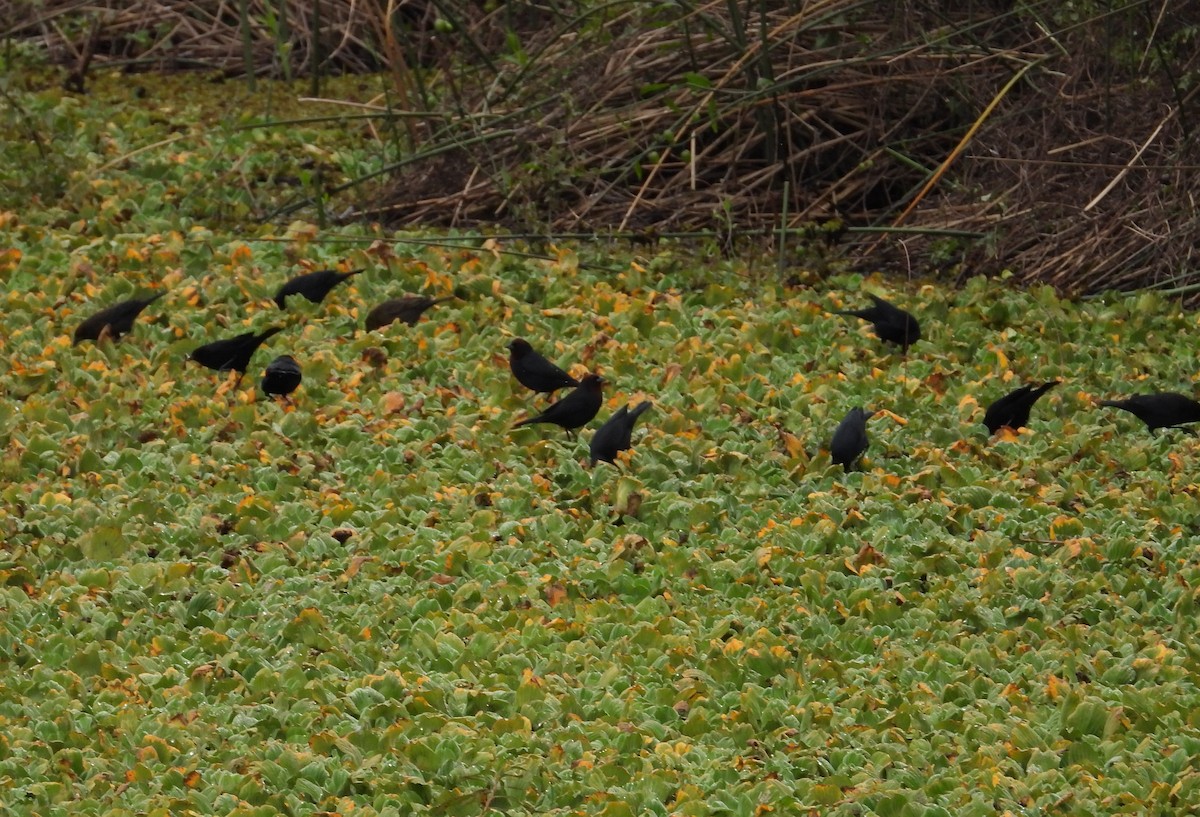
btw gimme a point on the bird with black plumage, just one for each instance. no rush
(533, 371)
(1012, 410)
(281, 377)
(891, 323)
(850, 441)
(312, 286)
(113, 321)
(1159, 410)
(574, 410)
(616, 434)
(232, 354)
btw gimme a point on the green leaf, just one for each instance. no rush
(103, 543)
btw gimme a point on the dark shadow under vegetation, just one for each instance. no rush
(1052, 140)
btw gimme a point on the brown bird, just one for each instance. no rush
(407, 309)
(574, 410)
(313, 285)
(118, 319)
(534, 371)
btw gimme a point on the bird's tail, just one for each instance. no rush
(639, 409)
(1045, 387)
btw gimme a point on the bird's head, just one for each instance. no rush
(519, 347)
(591, 382)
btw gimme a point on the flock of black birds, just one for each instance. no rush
(894, 325)
(283, 375)
(532, 370)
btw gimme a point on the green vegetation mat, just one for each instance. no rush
(383, 600)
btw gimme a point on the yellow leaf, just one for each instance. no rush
(355, 565)
(733, 645)
(792, 444)
(1007, 435)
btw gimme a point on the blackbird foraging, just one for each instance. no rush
(282, 376)
(892, 324)
(535, 372)
(313, 285)
(616, 434)
(850, 438)
(1012, 410)
(1162, 410)
(232, 353)
(407, 309)
(118, 318)
(574, 410)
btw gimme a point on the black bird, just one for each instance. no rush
(313, 285)
(118, 318)
(850, 438)
(231, 353)
(1163, 410)
(574, 410)
(535, 372)
(1012, 409)
(282, 376)
(892, 323)
(408, 309)
(616, 434)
